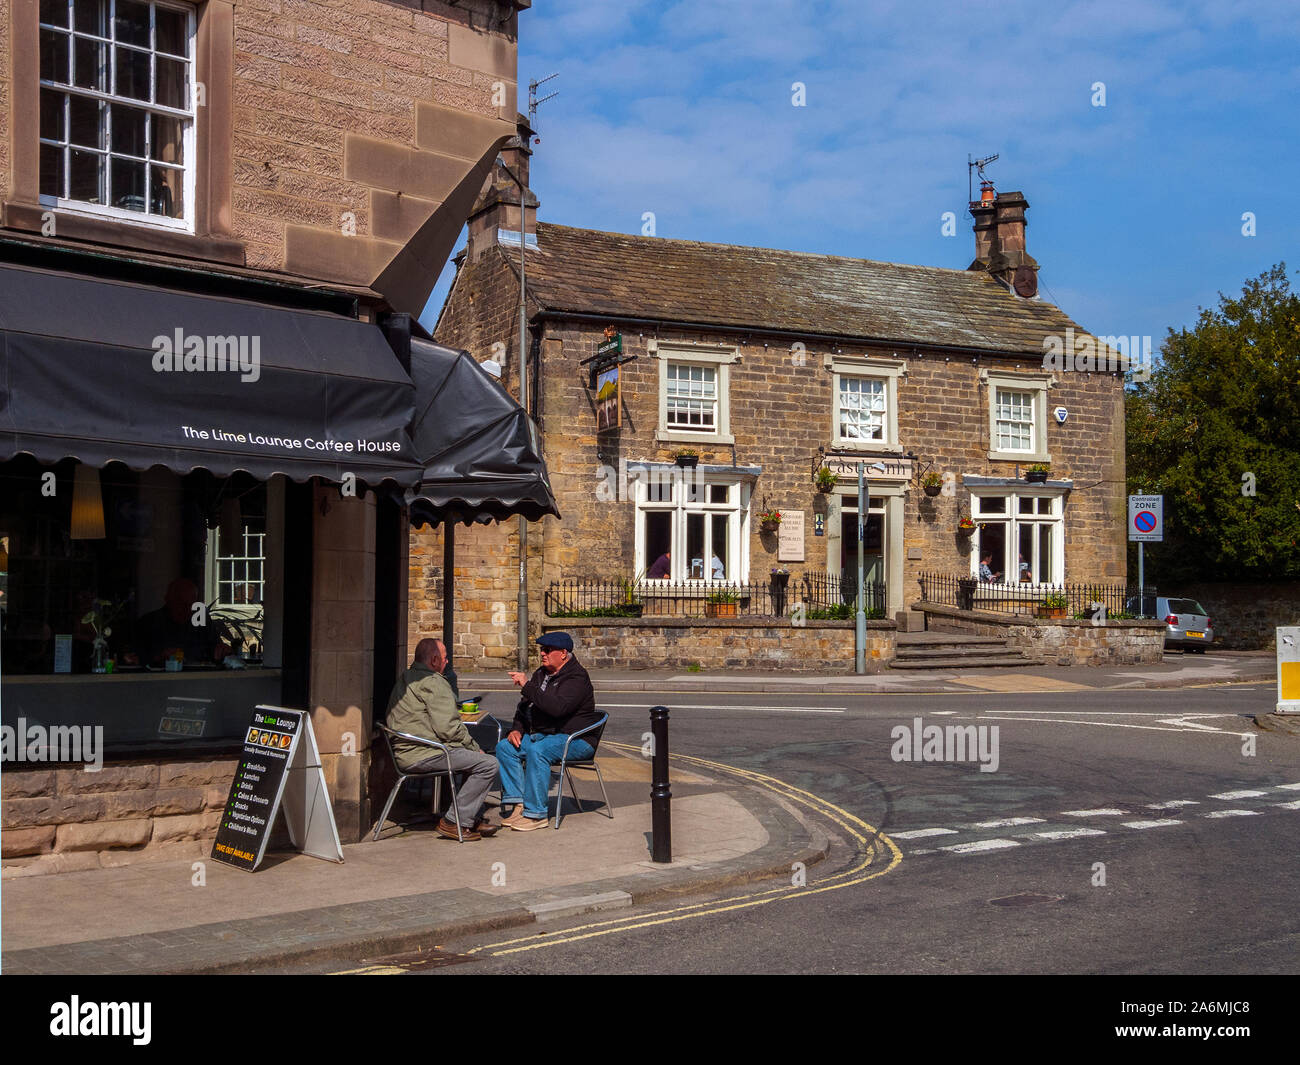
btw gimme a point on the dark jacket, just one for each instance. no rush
(567, 704)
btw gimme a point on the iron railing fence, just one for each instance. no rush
(821, 596)
(1072, 600)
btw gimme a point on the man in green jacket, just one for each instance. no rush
(423, 705)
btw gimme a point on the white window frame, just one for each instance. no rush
(887, 370)
(737, 506)
(1035, 384)
(720, 357)
(1012, 520)
(188, 117)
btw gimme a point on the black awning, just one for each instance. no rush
(89, 370)
(481, 454)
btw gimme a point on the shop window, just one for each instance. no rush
(117, 109)
(101, 566)
(694, 387)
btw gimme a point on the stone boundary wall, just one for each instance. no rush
(1246, 616)
(59, 819)
(723, 643)
(1064, 641)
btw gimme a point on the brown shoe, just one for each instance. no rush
(448, 830)
(486, 828)
(515, 816)
(528, 824)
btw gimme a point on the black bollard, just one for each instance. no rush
(661, 821)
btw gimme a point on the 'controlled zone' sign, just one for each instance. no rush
(1146, 522)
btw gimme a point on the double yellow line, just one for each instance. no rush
(869, 842)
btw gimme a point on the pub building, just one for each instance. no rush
(753, 381)
(216, 424)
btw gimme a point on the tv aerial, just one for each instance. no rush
(977, 164)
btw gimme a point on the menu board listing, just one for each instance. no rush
(256, 789)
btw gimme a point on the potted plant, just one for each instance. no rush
(932, 483)
(687, 458)
(769, 519)
(1052, 606)
(721, 604)
(825, 481)
(1037, 473)
(965, 526)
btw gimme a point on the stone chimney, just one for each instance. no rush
(495, 216)
(1000, 240)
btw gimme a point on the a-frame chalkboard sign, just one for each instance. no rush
(279, 767)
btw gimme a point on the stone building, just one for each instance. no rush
(283, 181)
(773, 365)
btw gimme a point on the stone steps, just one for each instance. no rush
(934, 650)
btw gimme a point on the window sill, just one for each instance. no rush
(1021, 457)
(140, 236)
(869, 446)
(681, 436)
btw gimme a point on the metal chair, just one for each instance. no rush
(592, 734)
(437, 774)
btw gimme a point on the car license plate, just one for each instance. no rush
(1196, 634)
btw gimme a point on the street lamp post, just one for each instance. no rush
(521, 605)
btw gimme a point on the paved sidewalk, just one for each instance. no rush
(410, 889)
(1176, 671)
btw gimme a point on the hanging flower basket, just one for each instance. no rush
(966, 527)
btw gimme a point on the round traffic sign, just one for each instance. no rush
(1144, 521)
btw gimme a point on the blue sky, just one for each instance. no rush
(685, 109)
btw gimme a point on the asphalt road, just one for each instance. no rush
(1128, 832)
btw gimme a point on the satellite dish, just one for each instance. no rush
(1026, 281)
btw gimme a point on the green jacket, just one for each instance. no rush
(427, 708)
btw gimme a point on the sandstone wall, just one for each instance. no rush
(711, 644)
(58, 820)
(1246, 615)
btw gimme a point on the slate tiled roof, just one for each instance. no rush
(590, 272)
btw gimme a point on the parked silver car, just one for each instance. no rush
(1187, 625)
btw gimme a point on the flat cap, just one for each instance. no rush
(555, 641)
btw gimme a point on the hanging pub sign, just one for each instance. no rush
(279, 766)
(609, 406)
(611, 347)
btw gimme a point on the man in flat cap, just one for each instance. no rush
(555, 703)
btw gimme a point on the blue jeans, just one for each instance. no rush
(526, 772)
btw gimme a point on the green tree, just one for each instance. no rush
(1218, 419)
